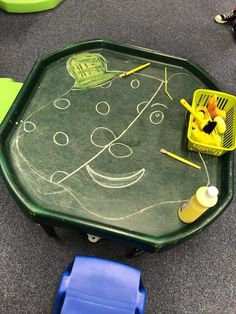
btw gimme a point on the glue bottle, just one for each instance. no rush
(205, 197)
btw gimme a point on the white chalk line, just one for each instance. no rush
(142, 103)
(156, 113)
(135, 83)
(206, 170)
(116, 78)
(56, 172)
(115, 182)
(66, 137)
(35, 171)
(44, 106)
(94, 213)
(18, 136)
(106, 85)
(120, 144)
(103, 103)
(163, 81)
(73, 196)
(159, 104)
(60, 100)
(153, 105)
(112, 145)
(100, 85)
(26, 124)
(90, 211)
(51, 193)
(182, 73)
(85, 208)
(105, 147)
(149, 76)
(103, 128)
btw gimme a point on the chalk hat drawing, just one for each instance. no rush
(89, 70)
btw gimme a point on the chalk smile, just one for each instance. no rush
(115, 181)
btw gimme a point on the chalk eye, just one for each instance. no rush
(157, 116)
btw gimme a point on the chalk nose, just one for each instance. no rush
(102, 137)
(120, 150)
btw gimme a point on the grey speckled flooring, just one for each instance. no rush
(198, 276)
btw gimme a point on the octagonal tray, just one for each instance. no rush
(80, 145)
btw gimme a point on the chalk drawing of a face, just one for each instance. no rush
(99, 142)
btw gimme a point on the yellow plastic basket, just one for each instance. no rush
(225, 102)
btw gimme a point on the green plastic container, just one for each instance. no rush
(28, 6)
(80, 146)
(8, 91)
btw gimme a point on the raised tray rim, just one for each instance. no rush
(43, 216)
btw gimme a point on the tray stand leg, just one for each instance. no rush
(50, 231)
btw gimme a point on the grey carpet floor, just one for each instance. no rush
(198, 276)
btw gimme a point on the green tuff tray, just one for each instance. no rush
(27, 6)
(80, 146)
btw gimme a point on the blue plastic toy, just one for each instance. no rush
(96, 286)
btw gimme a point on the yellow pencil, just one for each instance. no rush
(135, 70)
(185, 161)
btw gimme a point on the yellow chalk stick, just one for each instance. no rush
(168, 94)
(166, 82)
(165, 75)
(185, 161)
(135, 70)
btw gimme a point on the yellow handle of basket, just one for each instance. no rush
(187, 106)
